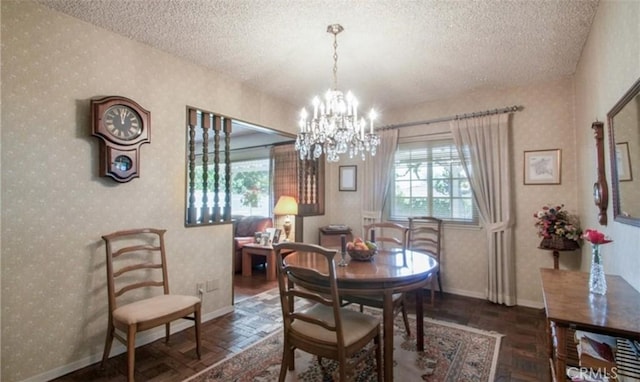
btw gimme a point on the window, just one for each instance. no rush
(430, 180)
(250, 187)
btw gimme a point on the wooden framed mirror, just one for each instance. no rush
(624, 148)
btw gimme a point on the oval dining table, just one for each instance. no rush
(387, 273)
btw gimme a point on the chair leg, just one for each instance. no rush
(284, 365)
(167, 332)
(107, 344)
(196, 315)
(378, 345)
(439, 283)
(131, 352)
(433, 292)
(405, 318)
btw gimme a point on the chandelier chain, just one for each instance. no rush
(335, 61)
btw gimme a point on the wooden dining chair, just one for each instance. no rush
(324, 329)
(388, 236)
(425, 235)
(136, 262)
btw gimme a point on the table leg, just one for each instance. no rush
(246, 263)
(561, 351)
(387, 334)
(556, 259)
(419, 320)
(271, 266)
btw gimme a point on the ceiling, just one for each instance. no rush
(391, 54)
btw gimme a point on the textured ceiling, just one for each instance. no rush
(391, 54)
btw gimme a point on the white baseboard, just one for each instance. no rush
(118, 348)
(482, 296)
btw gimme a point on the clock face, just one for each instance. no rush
(122, 122)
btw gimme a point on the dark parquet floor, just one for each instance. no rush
(522, 356)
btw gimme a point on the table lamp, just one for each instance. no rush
(287, 206)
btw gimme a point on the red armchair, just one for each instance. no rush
(244, 230)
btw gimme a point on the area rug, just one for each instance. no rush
(452, 353)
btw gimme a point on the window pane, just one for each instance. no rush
(250, 187)
(430, 180)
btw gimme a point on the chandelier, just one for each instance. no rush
(334, 127)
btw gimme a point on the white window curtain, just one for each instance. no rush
(376, 175)
(483, 146)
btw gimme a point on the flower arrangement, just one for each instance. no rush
(556, 222)
(595, 237)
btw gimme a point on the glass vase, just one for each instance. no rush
(597, 280)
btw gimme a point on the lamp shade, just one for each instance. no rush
(286, 205)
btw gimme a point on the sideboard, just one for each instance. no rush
(569, 305)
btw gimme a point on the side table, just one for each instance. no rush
(329, 236)
(253, 249)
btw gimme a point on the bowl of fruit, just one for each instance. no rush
(361, 250)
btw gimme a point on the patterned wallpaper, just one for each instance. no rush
(55, 207)
(609, 65)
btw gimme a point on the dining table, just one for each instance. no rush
(389, 272)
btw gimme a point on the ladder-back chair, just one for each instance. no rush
(425, 235)
(324, 329)
(389, 236)
(136, 266)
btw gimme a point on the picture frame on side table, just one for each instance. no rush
(348, 178)
(276, 235)
(624, 164)
(542, 167)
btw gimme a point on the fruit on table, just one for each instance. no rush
(361, 245)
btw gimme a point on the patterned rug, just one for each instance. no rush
(452, 353)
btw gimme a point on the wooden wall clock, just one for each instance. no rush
(122, 126)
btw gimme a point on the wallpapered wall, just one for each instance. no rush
(609, 65)
(55, 207)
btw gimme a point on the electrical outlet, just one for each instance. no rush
(213, 285)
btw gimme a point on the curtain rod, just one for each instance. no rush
(509, 109)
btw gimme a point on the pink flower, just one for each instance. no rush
(595, 237)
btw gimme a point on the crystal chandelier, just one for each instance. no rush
(334, 127)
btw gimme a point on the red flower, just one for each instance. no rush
(595, 237)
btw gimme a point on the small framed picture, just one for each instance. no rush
(542, 166)
(623, 163)
(348, 178)
(276, 235)
(270, 235)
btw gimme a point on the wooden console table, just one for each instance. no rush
(568, 304)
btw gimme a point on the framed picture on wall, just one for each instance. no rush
(623, 165)
(542, 166)
(348, 178)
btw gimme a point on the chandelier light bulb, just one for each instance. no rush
(335, 128)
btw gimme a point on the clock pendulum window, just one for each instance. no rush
(122, 126)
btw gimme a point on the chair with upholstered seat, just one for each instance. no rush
(324, 329)
(425, 235)
(388, 236)
(136, 266)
